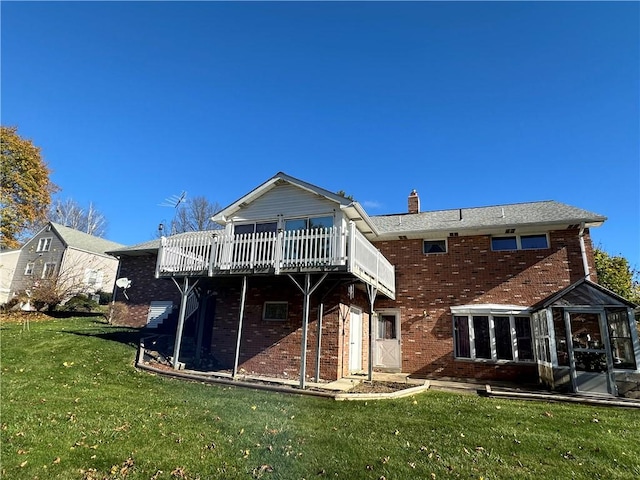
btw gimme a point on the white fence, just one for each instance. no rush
(210, 253)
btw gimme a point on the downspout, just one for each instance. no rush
(583, 252)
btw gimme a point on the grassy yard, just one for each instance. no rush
(74, 407)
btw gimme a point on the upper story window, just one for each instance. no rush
(434, 246)
(44, 244)
(520, 242)
(309, 223)
(28, 270)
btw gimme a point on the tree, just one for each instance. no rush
(70, 214)
(615, 273)
(342, 193)
(26, 189)
(195, 215)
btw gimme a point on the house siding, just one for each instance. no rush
(28, 254)
(286, 201)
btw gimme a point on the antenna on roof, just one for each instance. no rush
(174, 200)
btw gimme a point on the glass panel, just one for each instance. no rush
(562, 347)
(482, 337)
(620, 336)
(295, 224)
(502, 330)
(387, 327)
(461, 330)
(241, 229)
(275, 311)
(523, 338)
(504, 243)
(266, 227)
(434, 246)
(586, 331)
(320, 222)
(533, 241)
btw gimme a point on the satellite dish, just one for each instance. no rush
(123, 282)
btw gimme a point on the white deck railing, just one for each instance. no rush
(210, 253)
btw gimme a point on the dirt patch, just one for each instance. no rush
(380, 387)
(23, 317)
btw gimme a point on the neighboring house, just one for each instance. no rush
(302, 283)
(77, 260)
(8, 261)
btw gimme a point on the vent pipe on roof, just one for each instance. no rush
(414, 202)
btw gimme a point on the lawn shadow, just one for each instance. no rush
(125, 335)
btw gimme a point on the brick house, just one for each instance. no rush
(494, 293)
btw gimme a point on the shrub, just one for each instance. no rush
(105, 297)
(118, 313)
(78, 303)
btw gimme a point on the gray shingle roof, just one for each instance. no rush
(84, 241)
(499, 216)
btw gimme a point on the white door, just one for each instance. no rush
(387, 346)
(355, 340)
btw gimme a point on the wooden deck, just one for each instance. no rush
(216, 253)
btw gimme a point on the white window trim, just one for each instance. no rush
(491, 311)
(28, 269)
(44, 244)
(519, 241)
(44, 269)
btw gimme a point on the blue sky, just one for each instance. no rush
(469, 103)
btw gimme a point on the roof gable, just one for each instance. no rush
(83, 241)
(585, 293)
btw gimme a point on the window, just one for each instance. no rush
(93, 278)
(387, 327)
(275, 311)
(493, 337)
(44, 245)
(255, 227)
(434, 246)
(308, 223)
(49, 270)
(29, 269)
(621, 342)
(520, 242)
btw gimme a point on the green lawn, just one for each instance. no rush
(73, 406)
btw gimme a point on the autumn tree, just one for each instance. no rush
(70, 214)
(26, 189)
(195, 215)
(615, 273)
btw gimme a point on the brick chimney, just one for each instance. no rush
(414, 202)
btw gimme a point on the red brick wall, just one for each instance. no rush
(274, 347)
(471, 273)
(144, 288)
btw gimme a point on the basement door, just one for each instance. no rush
(591, 362)
(355, 340)
(387, 344)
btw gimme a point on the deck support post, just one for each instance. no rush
(242, 302)
(307, 290)
(372, 292)
(185, 290)
(319, 340)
